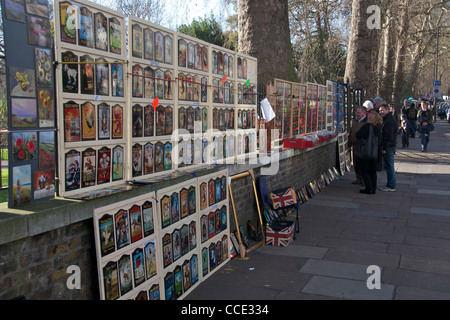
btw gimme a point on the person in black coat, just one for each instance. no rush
(369, 167)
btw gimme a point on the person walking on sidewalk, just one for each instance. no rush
(389, 132)
(424, 125)
(360, 120)
(369, 166)
(411, 113)
(405, 131)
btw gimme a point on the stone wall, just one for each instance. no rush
(34, 267)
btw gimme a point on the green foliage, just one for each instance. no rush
(3, 113)
(206, 29)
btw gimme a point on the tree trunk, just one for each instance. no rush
(264, 33)
(400, 56)
(362, 49)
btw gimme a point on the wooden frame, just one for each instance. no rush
(242, 249)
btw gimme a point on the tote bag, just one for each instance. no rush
(367, 149)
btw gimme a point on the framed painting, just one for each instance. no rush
(115, 35)
(88, 168)
(102, 74)
(149, 121)
(148, 44)
(159, 47)
(67, 17)
(117, 83)
(137, 43)
(69, 72)
(87, 75)
(182, 53)
(104, 121)
(43, 67)
(117, 163)
(73, 170)
(136, 160)
(104, 165)
(117, 122)
(46, 149)
(85, 32)
(72, 122)
(138, 81)
(168, 49)
(88, 121)
(101, 31)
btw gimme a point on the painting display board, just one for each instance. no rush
(90, 46)
(312, 113)
(214, 236)
(127, 246)
(173, 101)
(30, 103)
(332, 102)
(163, 244)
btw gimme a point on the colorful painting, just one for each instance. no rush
(117, 165)
(85, 32)
(117, 80)
(15, 10)
(39, 32)
(21, 178)
(104, 165)
(44, 184)
(115, 36)
(22, 82)
(72, 124)
(43, 63)
(46, 149)
(24, 146)
(46, 108)
(23, 113)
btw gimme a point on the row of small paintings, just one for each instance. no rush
(28, 185)
(80, 124)
(181, 279)
(179, 243)
(213, 223)
(130, 271)
(177, 206)
(93, 167)
(80, 26)
(87, 75)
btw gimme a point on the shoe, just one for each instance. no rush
(357, 181)
(386, 189)
(364, 191)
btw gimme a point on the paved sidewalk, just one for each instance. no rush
(342, 232)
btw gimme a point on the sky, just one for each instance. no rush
(183, 12)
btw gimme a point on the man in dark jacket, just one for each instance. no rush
(411, 114)
(388, 147)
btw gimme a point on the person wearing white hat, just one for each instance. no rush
(368, 104)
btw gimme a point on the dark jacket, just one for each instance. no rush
(363, 133)
(389, 132)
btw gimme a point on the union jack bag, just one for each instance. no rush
(283, 198)
(280, 233)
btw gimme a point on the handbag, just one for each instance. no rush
(367, 149)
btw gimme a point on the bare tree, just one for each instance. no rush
(267, 37)
(362, 48)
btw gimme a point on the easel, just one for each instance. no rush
(242, 249)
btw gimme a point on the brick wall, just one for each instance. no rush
(35, 268)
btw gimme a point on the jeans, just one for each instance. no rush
(388, 158)
(424, 137)
(413, 127)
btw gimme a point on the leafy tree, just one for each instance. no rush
(207, 29)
